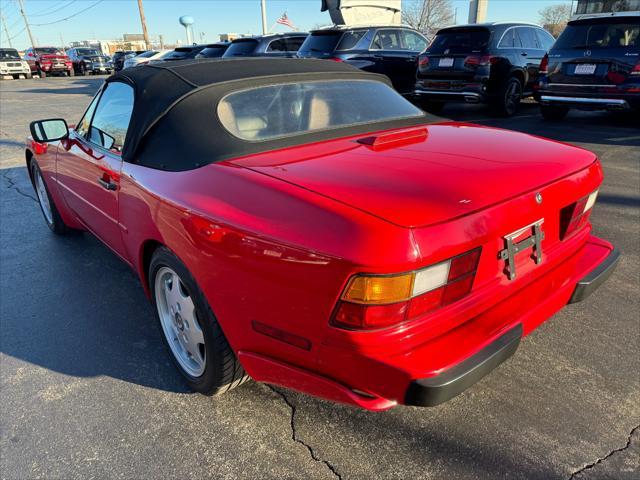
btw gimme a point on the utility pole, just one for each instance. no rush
(4, 24)
(263, 4)
(145, 34)
(26, 23)
(61, 41)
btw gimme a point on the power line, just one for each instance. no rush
(52, 11)
(69, 17)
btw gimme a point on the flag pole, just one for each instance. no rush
(263, 4)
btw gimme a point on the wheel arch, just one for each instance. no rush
(520, 75)
(28, 155)
(147, 248)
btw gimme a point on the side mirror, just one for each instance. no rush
(49, 130)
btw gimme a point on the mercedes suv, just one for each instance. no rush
(594, 65)
(493, 63)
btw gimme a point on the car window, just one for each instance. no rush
(242, 48)
(615, 34)
(82, 128)
(294, 43)
(277, 46)
(350, 39)
(545, 39)
(460, 41)
(9, 54)
(528, 38)
(412, 41)
(387, 40)
(277, 111)
(111, 119)
(510, 39)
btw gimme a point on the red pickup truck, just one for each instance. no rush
(45, 61)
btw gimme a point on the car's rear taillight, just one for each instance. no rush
(544, 65)
(423, 62)
(480, 60)
(378, 301)
(575, 216)
(636, 69)
(336, 59)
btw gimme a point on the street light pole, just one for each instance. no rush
(6, 30)
(263, 5)
(143, 20)
(26, 23)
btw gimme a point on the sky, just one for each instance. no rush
(109, 19)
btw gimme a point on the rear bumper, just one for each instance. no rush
(591, 282)
(466, 96)
(587, 103)
(445, 366)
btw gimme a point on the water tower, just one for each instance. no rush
(186, 21)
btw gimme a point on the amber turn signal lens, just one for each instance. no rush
(377, 290)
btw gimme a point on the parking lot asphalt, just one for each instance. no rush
(88, 390)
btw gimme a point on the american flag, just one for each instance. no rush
(284, 20)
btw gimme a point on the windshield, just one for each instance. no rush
(277, 111)
(148, 54)
(9, 54)
(212, 52)
(241, 49)
(460, 40)
(89, 52)
(48, 51)
(600, 35)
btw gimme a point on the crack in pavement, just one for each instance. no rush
(12, 186)
(294, 434)
(602, 459)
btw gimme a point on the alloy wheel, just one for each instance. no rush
(179, 321)
(43, 197)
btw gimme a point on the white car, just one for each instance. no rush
(145, 58)
(12, 65)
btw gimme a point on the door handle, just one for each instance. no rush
(377, 57)
(108, 185)
(524, 54)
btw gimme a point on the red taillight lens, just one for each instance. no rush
(336, 59)
(423, 62)
(379, 301)
(480, 60)
(636, 69)
(575, 216)
(544, 65)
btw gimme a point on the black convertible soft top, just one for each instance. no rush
(174, 125)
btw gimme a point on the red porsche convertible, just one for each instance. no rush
(299, 222)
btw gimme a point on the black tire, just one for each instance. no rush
(507, 101)
(42, 73)
(432, 107)
(83, 70)
(28, 75)
(553, 113)
(222, 370)
(71, 73)
(56, 224)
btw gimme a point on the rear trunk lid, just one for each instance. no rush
(458, 169)
(596, 52)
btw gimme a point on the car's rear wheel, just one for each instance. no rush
(190, 329)
(553, 113)
(508, 99)
(47, 206)
(432, 107)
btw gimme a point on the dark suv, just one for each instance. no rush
(594, 65)
(494, 63)
(89, 60)
(272, 45)
(392, 51)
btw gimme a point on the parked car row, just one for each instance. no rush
(595, 63)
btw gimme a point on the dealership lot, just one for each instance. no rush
(88, 389)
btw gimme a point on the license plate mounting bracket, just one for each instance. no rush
(513, 247)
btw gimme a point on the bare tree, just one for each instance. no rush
(555, 17)
(427, 16)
